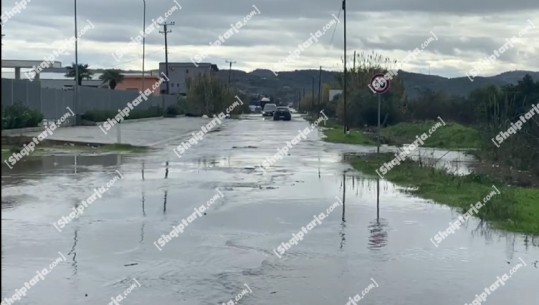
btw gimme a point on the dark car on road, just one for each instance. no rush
(282, 113)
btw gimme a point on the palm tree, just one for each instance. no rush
(84, 72)
(111, 76)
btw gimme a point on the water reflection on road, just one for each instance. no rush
(381, 231)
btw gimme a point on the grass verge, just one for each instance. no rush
(124, 148)
(451, 136)
(336, 135)
(50, 148)
(514, 209)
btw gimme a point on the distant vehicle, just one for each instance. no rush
(254, 108)
(263, 102)
(269, 109)
(282, 113)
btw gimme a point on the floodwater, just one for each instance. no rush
(114, 243)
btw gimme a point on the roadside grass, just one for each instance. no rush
(6, 153)
(48, 148)
(332, 123)
(336, 135)
(515, 208)
(124, 148)
(451, 136)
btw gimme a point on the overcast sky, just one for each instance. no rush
(467, 31)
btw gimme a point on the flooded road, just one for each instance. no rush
(232, 245)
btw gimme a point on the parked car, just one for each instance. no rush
(269, 109)
(282, 113)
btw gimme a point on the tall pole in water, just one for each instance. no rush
(345, 76)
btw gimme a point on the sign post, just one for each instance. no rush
(379, 85)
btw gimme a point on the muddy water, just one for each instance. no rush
(384, 237)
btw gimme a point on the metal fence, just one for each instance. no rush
(52, 103)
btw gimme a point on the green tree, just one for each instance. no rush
(208, 95)
(362, 104)
(84, 72)
(111, 76)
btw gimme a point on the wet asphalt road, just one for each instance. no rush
(232, 246)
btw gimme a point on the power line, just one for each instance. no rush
(335, 29)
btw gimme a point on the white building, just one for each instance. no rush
(180, 73)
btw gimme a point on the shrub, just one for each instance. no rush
(20, 116)
(103, 115)
(172, 111)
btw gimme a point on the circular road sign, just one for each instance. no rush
(379, 84)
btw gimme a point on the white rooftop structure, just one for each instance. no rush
(28, 64)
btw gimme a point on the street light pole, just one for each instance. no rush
(143, 44)
(345, 75)
(76, 87)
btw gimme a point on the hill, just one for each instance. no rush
(288, 85)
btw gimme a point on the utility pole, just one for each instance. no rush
(319, 85)
(312, 97)
(76, 88)
(230, 71)
(345, 76)
(355, 73)
(165, 31)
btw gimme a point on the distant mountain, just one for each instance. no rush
(415, 83)
(289, 85)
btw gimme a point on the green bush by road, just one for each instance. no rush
(103, 115)
(19, 116)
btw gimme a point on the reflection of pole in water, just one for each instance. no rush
(377, 200)
(378, 233)
(141, 233)
(75, 164)
(143, 211)
(343, 194)
(165, 203)
(343, 223)
(166, 171)
(75, 240)
(142, 170)
(318, 165)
